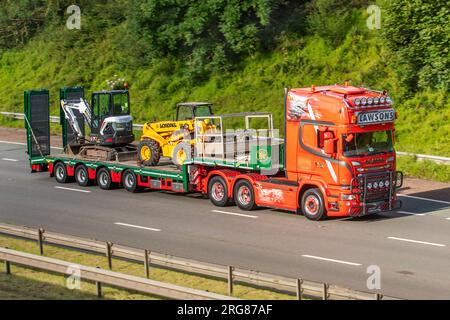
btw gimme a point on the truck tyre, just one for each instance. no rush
(182, 154)
(130, 181)
(149, 152)
(244, 195)
(313, 205)
(218, 192)
(104, 179)
(82, 176)
(60, 173)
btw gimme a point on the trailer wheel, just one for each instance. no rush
(244, 195)
(313, 205)
(82, 176)
(149, 152)
(130, 181)
(104, 180)
(60, 173)
(218, 192)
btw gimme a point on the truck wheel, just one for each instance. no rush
(60, 173)
(130, 181)
(218, 192)
(244, 195)
(82, 176)
(313, 205)
(104, 180)
(149, 152)
(182, 153)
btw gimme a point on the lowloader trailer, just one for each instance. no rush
(337, 158)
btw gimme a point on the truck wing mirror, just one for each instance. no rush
(329, 146)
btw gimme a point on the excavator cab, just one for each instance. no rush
(112, 124)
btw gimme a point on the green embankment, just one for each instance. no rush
(313, 46)
(25, 283)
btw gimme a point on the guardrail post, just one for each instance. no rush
(299, 289)
(230, 281)
(7, 267)
(378, 296)
(109, 246)
(41, 241)
(147, 263)
(325, 296)
(98, 286)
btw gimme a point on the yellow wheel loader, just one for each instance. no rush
(172, 139)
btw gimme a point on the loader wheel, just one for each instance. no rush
(82, 176)
(313, 205)
(130, 181)
(149, 152)
(182, 153)
(244, 195)
(218, 192)
(60, 173)
(104, 179)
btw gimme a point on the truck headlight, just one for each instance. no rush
(348, 197)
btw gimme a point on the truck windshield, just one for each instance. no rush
(368, 143)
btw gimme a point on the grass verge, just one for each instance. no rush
(423, 169)
(31, 284)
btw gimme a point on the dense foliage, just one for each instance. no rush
(418, 32)
(238, 54)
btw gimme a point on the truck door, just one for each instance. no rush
(312, 157)
(37, 123)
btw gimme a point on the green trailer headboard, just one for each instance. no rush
(37, 123)
(70, 93)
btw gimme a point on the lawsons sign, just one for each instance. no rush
(378, 116)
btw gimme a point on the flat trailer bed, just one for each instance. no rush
(165, 176)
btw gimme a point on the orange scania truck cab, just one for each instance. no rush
(340, 156)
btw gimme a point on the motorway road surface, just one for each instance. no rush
(411, 246)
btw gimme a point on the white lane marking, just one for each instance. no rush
(417, 241)
(24, 144)
(331, 260)
(70, 189)
(236, 214)
(15, 143)
(10, 160)
(420, 198)
(411, 213)
(447, 218)
(136, 227)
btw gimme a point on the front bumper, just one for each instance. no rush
(373, 208)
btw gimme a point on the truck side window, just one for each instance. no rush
(309, 136)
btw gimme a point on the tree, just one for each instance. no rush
(418, 35)
(206, 34)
